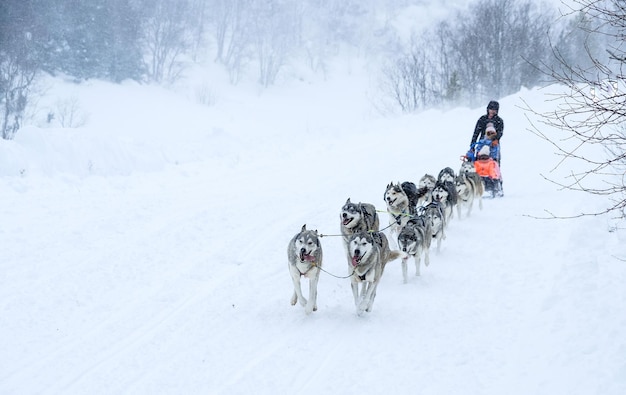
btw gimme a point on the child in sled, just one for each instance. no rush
(488, 169)
(491, 141)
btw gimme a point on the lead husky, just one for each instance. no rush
(304, 254)
(414, 240)
(368, 253)
(354, 218)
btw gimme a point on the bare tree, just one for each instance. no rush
(275, 34)
(166, 38)
(591, 111)
(19, 62)
(480, 54)
(15, 83)
(233, 41)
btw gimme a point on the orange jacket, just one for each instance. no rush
(487, 168)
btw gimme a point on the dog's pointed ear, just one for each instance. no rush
(348, 201)
(303, 228)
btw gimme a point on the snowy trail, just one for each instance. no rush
(176, 293)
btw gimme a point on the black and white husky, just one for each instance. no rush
(414, 241)
(368, 253)
(444, 193)
(304, 254)
(446, 174)
(426, 185)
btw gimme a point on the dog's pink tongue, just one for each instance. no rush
(355, 261)
(309, 258)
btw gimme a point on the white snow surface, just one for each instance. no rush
(145, 252)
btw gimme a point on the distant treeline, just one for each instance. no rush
(489, 50)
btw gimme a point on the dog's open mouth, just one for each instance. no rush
(306, 257)
(347, 220)
(356, 260)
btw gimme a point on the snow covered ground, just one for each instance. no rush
(145, 252)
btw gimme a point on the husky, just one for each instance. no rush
(468, 189)
(304, 254)
(445, 193)
(401, 202)
(426, 184)
(414, 240)
(446, 174)
(467, 167)
(354, 218)
(435, 214)
(368, 254)
(469, 170)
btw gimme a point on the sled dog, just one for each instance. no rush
(444, 192)
(401, 200)
(426, 184)
(468, 190)
(469, 170)
(414, 241)
(357, 217)
(368, 253)
(467, 167)
(446, 174)
(434, 212)
(304, 254)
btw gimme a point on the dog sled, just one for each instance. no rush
(485, 162)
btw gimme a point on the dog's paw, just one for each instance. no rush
(294, 299)
(364, 305)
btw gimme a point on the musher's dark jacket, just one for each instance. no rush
(481, 125)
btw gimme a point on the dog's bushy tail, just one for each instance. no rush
(394, 254)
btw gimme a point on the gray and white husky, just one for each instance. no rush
(368, 253)
(304, 254)
(434, 212)
(414, 241)
(468, 189)
(401, 199)
(357, 217)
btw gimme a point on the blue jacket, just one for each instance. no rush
(494, 150)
